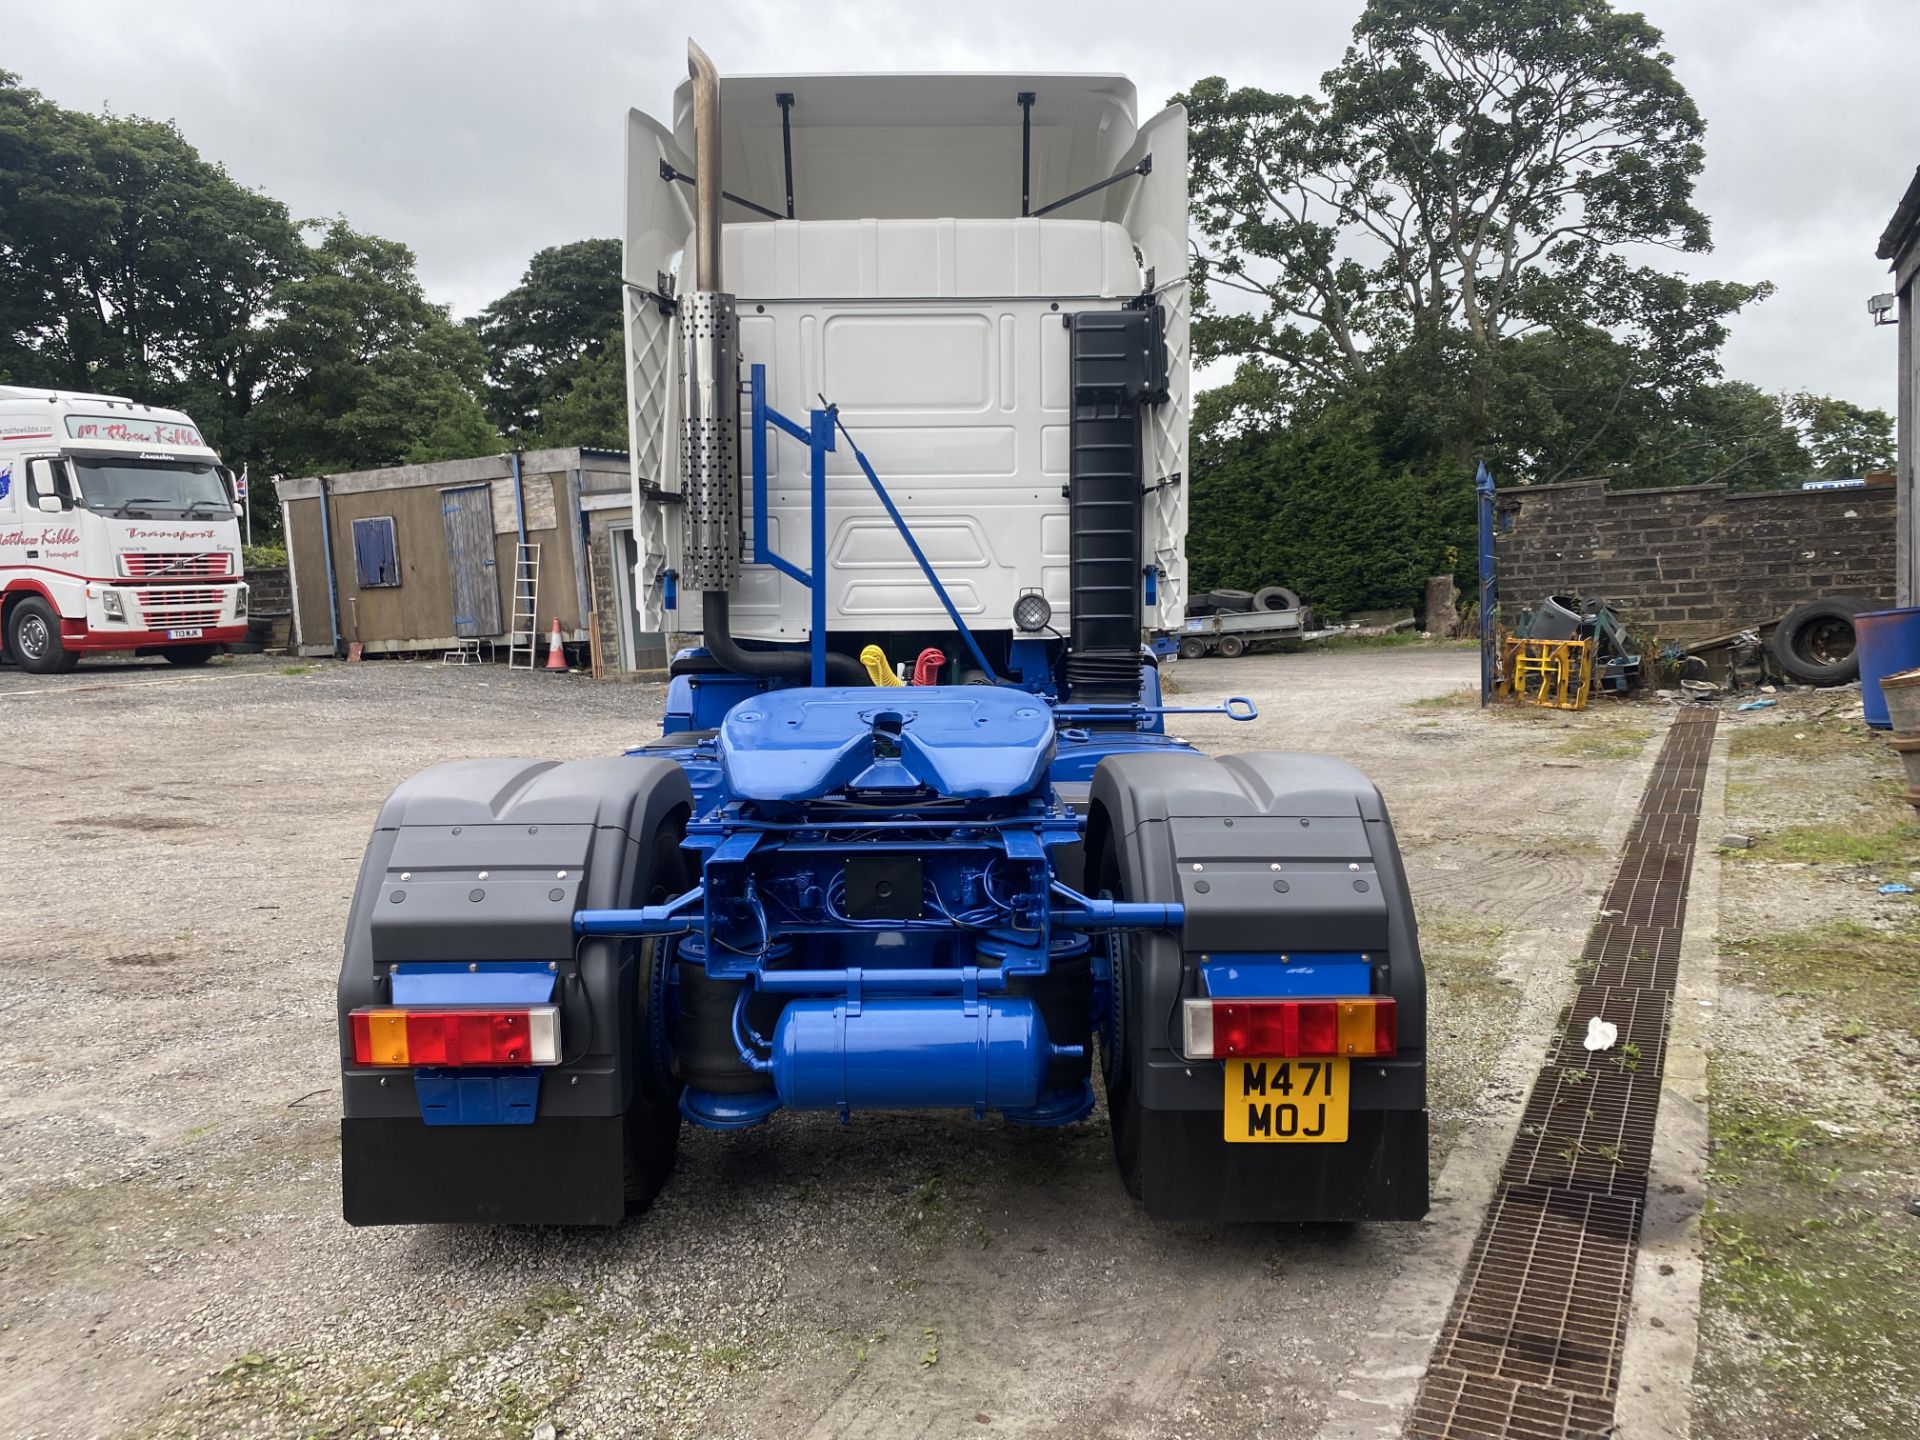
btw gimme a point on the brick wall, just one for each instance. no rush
(1696, 561)
(270, 607)
(610, 577)
(269, 592)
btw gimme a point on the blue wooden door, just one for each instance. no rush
(467, 513)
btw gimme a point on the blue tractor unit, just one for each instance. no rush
(828, 885)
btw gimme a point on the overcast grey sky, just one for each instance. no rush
(479, 132)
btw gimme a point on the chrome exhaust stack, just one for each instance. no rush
(710, 368)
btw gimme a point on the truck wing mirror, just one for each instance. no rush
(51, 505)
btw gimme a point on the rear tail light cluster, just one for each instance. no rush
(520, 1035)
(1281, 1029)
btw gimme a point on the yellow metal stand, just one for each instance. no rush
(1553, 673)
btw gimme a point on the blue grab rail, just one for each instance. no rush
(817, 436)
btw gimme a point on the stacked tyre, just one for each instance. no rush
(1814, 643)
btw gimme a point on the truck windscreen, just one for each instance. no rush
(151, 489)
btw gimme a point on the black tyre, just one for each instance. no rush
(653, 1115)
(1229, 600)
(190, 654)
(33, 638)
(1814, 643)
(1118, 1062)
(1192, 648)
(1275, 597)
(1231, 647)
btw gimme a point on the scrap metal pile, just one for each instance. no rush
(1560, 650)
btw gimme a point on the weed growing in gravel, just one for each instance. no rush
(1390, 640)
(1609, 742)
(1809, 1256)
(270, 1394)
(1793, 738)
(1468, 1011)
(1812, 1259)
(1882, 835)
(1467, 698)
(729, 1357)
(1867, 974)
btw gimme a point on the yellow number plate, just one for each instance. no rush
(1302, 1102)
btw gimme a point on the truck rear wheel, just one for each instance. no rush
(1192, 648)
(1231, 647)
(33, 638)
(1118, 1060)
(653, 1117)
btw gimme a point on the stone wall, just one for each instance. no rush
(1696, 561)
(610, 576)
(270, 608)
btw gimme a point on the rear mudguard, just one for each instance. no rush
(490, 859)
(1268, 853)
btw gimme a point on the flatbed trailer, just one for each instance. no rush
(1231, 633)
(958, 440)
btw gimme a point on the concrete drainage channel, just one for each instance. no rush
(1531, 1348)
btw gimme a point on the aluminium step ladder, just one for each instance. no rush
(524, 634)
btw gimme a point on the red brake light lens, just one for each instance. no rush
(517, 1035)
(1282, 1029)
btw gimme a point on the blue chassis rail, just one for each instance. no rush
(995, 911)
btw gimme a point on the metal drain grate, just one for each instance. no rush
(1531, 1348)
(1463, 1403)
(1589, 1123)
(1646, 956)
(1529, 1313)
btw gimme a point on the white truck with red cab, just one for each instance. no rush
(118, 531)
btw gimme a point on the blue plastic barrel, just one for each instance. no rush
(1887, 642)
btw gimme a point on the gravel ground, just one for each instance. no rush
(1812, 1287)
(180, 852)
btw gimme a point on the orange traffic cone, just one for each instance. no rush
(556, 648)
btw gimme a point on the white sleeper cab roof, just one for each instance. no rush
(57, 419)
(921, 292)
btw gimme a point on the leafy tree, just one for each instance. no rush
(364, 370)
(1472, 176)
(1574, 404)
(1319, 503)
(1730, 433)
(540, 335)
(1845, 439)
(593, 412)
(131, 263)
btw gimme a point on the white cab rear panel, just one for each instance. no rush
(940, 340)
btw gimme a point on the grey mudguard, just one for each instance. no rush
(1270, 852)
(479, 860)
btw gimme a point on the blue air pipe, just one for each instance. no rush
(1083, 912)
(664, 919)
(919, 555)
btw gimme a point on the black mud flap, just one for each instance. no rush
(481, 861)
(1380, 1173)
(1267, 854)
(560, 1170)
